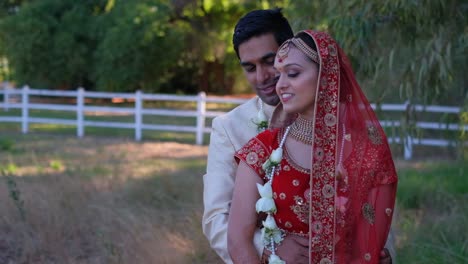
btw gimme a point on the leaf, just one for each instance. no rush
(422, 70)
(391, 56)
(448, 55)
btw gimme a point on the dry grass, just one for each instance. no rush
(102, 201)
(99, 200)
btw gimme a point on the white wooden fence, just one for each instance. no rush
(20, 99)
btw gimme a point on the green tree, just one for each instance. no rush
(168, 46)
(410, 50)
(49, 43)
(413, 51)
(208, 27)
(138, 46)
(7, 7)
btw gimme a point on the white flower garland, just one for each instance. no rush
(261, 121)
(271, 234)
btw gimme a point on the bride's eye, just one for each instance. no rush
(293, 74)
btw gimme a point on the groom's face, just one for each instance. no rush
(257, 56)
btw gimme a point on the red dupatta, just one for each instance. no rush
(353, 178)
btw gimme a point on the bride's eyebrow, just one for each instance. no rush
(289, 64)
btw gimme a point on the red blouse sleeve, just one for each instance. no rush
(258, 150)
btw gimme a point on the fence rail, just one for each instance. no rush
(20, 99)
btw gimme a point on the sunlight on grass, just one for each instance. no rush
(104, 201)
(112, 200)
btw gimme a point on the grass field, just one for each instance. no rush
(100, 200)
(112, 200)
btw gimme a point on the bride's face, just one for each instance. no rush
(297, 83)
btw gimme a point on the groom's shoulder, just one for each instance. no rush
(246, 111)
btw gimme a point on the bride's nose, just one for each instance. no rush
(281, 83)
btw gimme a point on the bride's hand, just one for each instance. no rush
(293, 249)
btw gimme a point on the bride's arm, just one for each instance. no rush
(243, 217)
(374, 223)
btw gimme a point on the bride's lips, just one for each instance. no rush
(285, 97)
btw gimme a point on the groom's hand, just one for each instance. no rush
(293, 249)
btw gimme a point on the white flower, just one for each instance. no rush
(276, 156)
(271, 231)
(270, 222)
(266, 205)
(265, 190)
(273, 160)
(277, 235)
(274, 259)
(261, 121)
(261, 117)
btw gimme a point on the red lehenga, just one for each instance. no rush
(348, 209)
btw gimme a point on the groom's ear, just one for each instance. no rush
(280, 118)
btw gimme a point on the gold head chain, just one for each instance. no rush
(301, 45)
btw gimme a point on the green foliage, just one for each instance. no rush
(56, 165)
(410, 50)
(49, 43)
(8, 7)
(206, 62)
(8, 169)
(6, 144)
(66, 44)
(208, 54)
(138, 46)
(170, 46)
(13, 190)
(5, 71)
(401, 50)
(463, 135)
(417, 187)
(430, 213)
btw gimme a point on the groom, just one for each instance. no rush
(256, 39)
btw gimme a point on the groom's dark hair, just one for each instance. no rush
(260, 22)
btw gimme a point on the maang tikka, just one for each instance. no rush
(284, 50)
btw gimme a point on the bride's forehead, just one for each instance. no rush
(292, 54)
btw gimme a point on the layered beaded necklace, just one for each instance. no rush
(301, 130)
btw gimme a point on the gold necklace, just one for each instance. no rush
(302, 130)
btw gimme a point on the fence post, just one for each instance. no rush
(408, 147)
(201, 112)
(80, 112)
(408, 143)
(138, 117)
(24, 109)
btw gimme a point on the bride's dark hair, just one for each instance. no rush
(307, 39)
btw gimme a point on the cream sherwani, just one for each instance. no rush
(230, 132)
